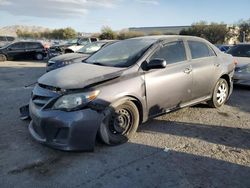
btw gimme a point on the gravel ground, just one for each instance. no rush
(193, 147)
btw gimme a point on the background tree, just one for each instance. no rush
(244, 28)
(107, 33)
(213, 32)
(69, 33)
(66, 33)
(129, 34)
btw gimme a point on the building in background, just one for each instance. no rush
(173, 30)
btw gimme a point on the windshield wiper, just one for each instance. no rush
(97, 63)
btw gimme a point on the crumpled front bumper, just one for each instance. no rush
(63, 130)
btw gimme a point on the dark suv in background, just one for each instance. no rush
(23, 50)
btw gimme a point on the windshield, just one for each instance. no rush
(91, 48)
(121, 54)
(72, 41)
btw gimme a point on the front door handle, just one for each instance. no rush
(188, 70)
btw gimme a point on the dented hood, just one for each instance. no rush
(79, 75)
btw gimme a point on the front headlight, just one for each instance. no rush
(74, 101)
(50, 62)
(64, 63)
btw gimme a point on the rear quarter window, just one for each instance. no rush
(200, 49)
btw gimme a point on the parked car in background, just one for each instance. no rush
(81, 42)
(123, 85)
(81, 54)
(241, 52)
(23, 50)
(242, 74)
(224, 47)
(4, 40)
(71, 45)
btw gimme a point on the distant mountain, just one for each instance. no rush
(11, 30)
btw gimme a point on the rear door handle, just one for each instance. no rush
(188, 70)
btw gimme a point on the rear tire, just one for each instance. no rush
(3, 57)
(119, 124)
(220, 94)
(39, 56)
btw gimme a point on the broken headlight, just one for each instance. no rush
(74, 101)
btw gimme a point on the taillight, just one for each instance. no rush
(235, 62)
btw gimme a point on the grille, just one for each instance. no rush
(40, 100)
(38, 130)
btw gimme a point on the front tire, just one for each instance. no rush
(220, 94)
(119, 124)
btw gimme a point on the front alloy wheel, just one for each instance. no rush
(119, 123)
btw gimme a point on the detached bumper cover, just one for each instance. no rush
(65, 130)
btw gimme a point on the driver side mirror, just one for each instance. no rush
(156, 64)
(9, 49)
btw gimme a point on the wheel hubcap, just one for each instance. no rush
(221, 93)
(39, 56)
(121, 121)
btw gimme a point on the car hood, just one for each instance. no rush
(69, 57)
(79, 75)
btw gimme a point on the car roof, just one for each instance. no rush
(165, 37)
(243, 44)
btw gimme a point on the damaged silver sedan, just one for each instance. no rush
(122, 86)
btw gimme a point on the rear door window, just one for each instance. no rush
(172, 52)
(200, 49)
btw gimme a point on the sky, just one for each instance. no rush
(92, 15)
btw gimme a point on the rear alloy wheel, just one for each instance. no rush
(39, 56)
(3, 57)
(119, 123)
(220, 94)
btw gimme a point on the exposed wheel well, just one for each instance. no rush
(68, 51)
(139, 107)
(227, 78)
(137, 104)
